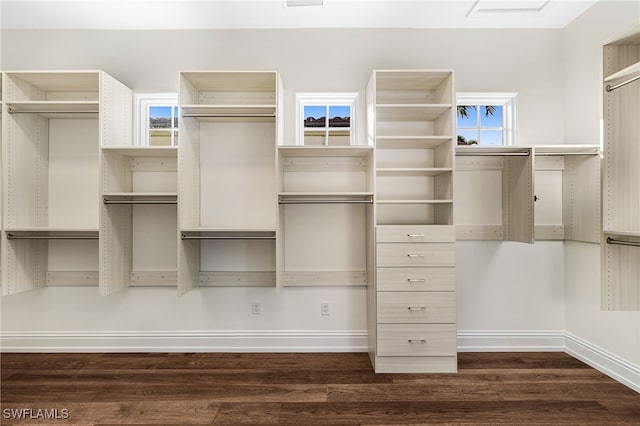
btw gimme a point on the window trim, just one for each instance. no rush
(505, 99)
(142, 103)
(325, 99)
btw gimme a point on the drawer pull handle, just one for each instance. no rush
(415, 255)
(414, 341)
(415, 235)
(416, 280)
(417, 308)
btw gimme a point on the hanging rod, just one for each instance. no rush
(50, 237)
(217, 115)
(611, 88)
(493, 154)
(325, 201)
(106, 201)
(204, 237)
(623, 242)
(550, 154)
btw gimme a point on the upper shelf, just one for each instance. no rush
(625, 72)
(566, 150)
(227, 234)
(410, 112)
(411, 142)
(143, 151)
(230, 112)
(325, 151)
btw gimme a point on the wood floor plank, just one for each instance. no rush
(416, 392)
(521, 360)
(248, 413)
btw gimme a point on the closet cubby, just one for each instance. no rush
(567, 199)
(495, 193)
(326, 208)
(53, 127)
(621, 179)
(138, 217)
(229, 128)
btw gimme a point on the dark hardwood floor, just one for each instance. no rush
(307, 389)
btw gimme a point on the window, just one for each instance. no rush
(326, 118)
(156, 119)
(486, 118)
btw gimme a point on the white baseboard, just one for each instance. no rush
(187, 341)
(511, 341)
(604, 361)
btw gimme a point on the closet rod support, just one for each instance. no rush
(623, 242)
(611, 88)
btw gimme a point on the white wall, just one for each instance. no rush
(502, 286)
(615, 332)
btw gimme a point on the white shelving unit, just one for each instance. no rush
(412, 300)
(54, 123)
(229, 128)
(621, 176)
(138, 217)
(326, 210)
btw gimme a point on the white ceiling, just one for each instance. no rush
(231, 14)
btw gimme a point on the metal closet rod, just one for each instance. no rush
(492, 154)
(205, 237)
(50, 237)
(623, 242)
(45, 111)
(139, 201)
(325, 201)
(611, 88)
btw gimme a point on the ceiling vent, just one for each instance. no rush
(481, 7)
(292, 3)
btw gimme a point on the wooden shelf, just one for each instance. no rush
(325, 197)
(560, 150)
(413, 171)
(410, 112)
(410, 80)
(493, 150)
(627, 71)
(230, 112)
(623, 233)
(227, 234)
(140, 198)
(414, 201)
(325, 151)
(52, 233)
(146, 151)
(411, 142)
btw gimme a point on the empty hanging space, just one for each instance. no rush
(227, 175)
(326, 210)
(494, 193)
(139, 216)
(567, 193)
(621, 179)
(52, 151)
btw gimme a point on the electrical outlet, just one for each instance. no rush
(256, 308)
(324, 309)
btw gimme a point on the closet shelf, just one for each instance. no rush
(325, 151)
(410, 112)
(625, 72)
(230, 112)
(435, 171)
(411, 142)
(147, 151)
(54, 108)
(622, 233)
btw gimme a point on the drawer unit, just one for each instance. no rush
(416, 339)
(415, 234)
(412, 254)
(416, 307)
(416, 279)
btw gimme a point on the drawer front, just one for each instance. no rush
(416, 279)
(416, 234)
(416, 339)
(408, 307)
(408, 254)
